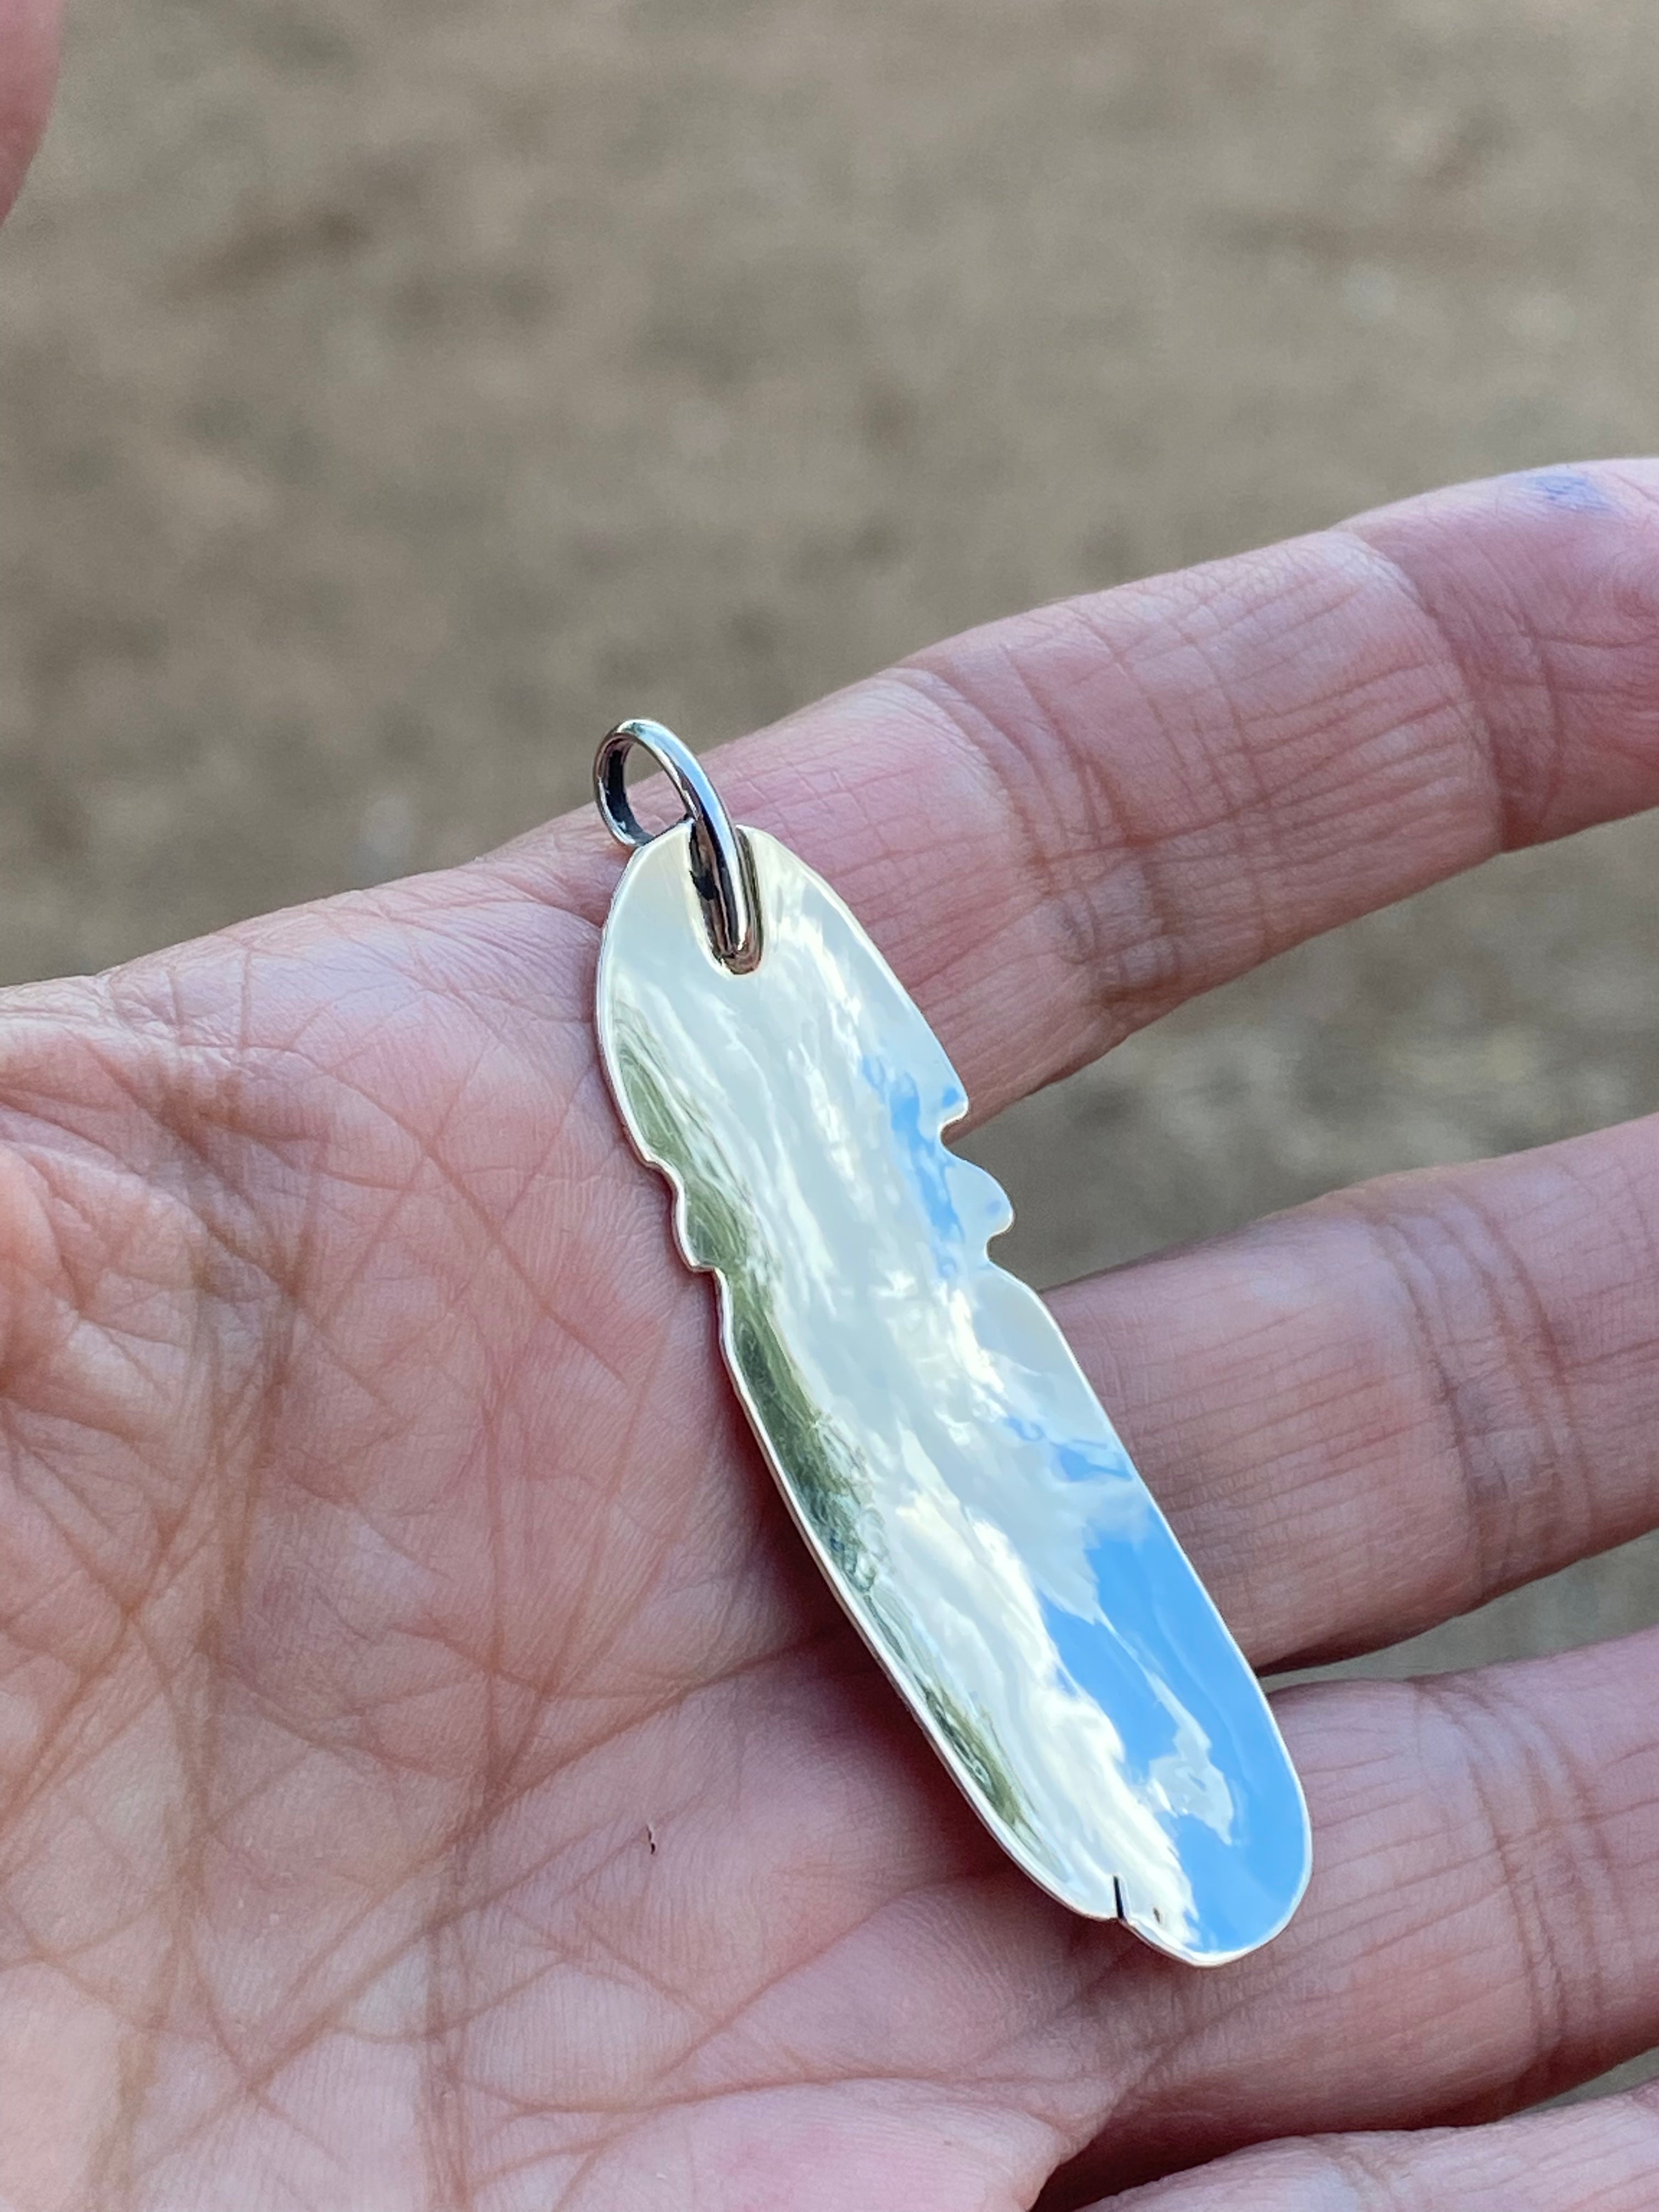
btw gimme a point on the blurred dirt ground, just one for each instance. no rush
(395, 392)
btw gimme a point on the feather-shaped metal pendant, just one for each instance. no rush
(936, 1441)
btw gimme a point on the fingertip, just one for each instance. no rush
(1544, 585)
(1627, 485)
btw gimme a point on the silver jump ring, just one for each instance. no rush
(720, 866)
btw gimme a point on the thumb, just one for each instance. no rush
(28, 70)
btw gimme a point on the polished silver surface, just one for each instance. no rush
(720, 861)
(939, 1445)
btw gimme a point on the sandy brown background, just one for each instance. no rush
(396, 392)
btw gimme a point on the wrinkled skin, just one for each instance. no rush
(433, 1777)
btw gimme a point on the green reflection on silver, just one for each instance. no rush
(959, 1482)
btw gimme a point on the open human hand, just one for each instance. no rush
(432, 1774)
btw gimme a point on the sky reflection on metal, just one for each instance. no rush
(939, 1447)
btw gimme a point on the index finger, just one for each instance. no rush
(1062, 825)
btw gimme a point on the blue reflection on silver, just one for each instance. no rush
(940, 1448)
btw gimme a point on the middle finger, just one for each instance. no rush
(1379, 1410)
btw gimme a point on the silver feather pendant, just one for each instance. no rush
(944, 1458)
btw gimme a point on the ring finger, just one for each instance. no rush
(1478, 1933)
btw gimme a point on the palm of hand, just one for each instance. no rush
(435, 1776)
